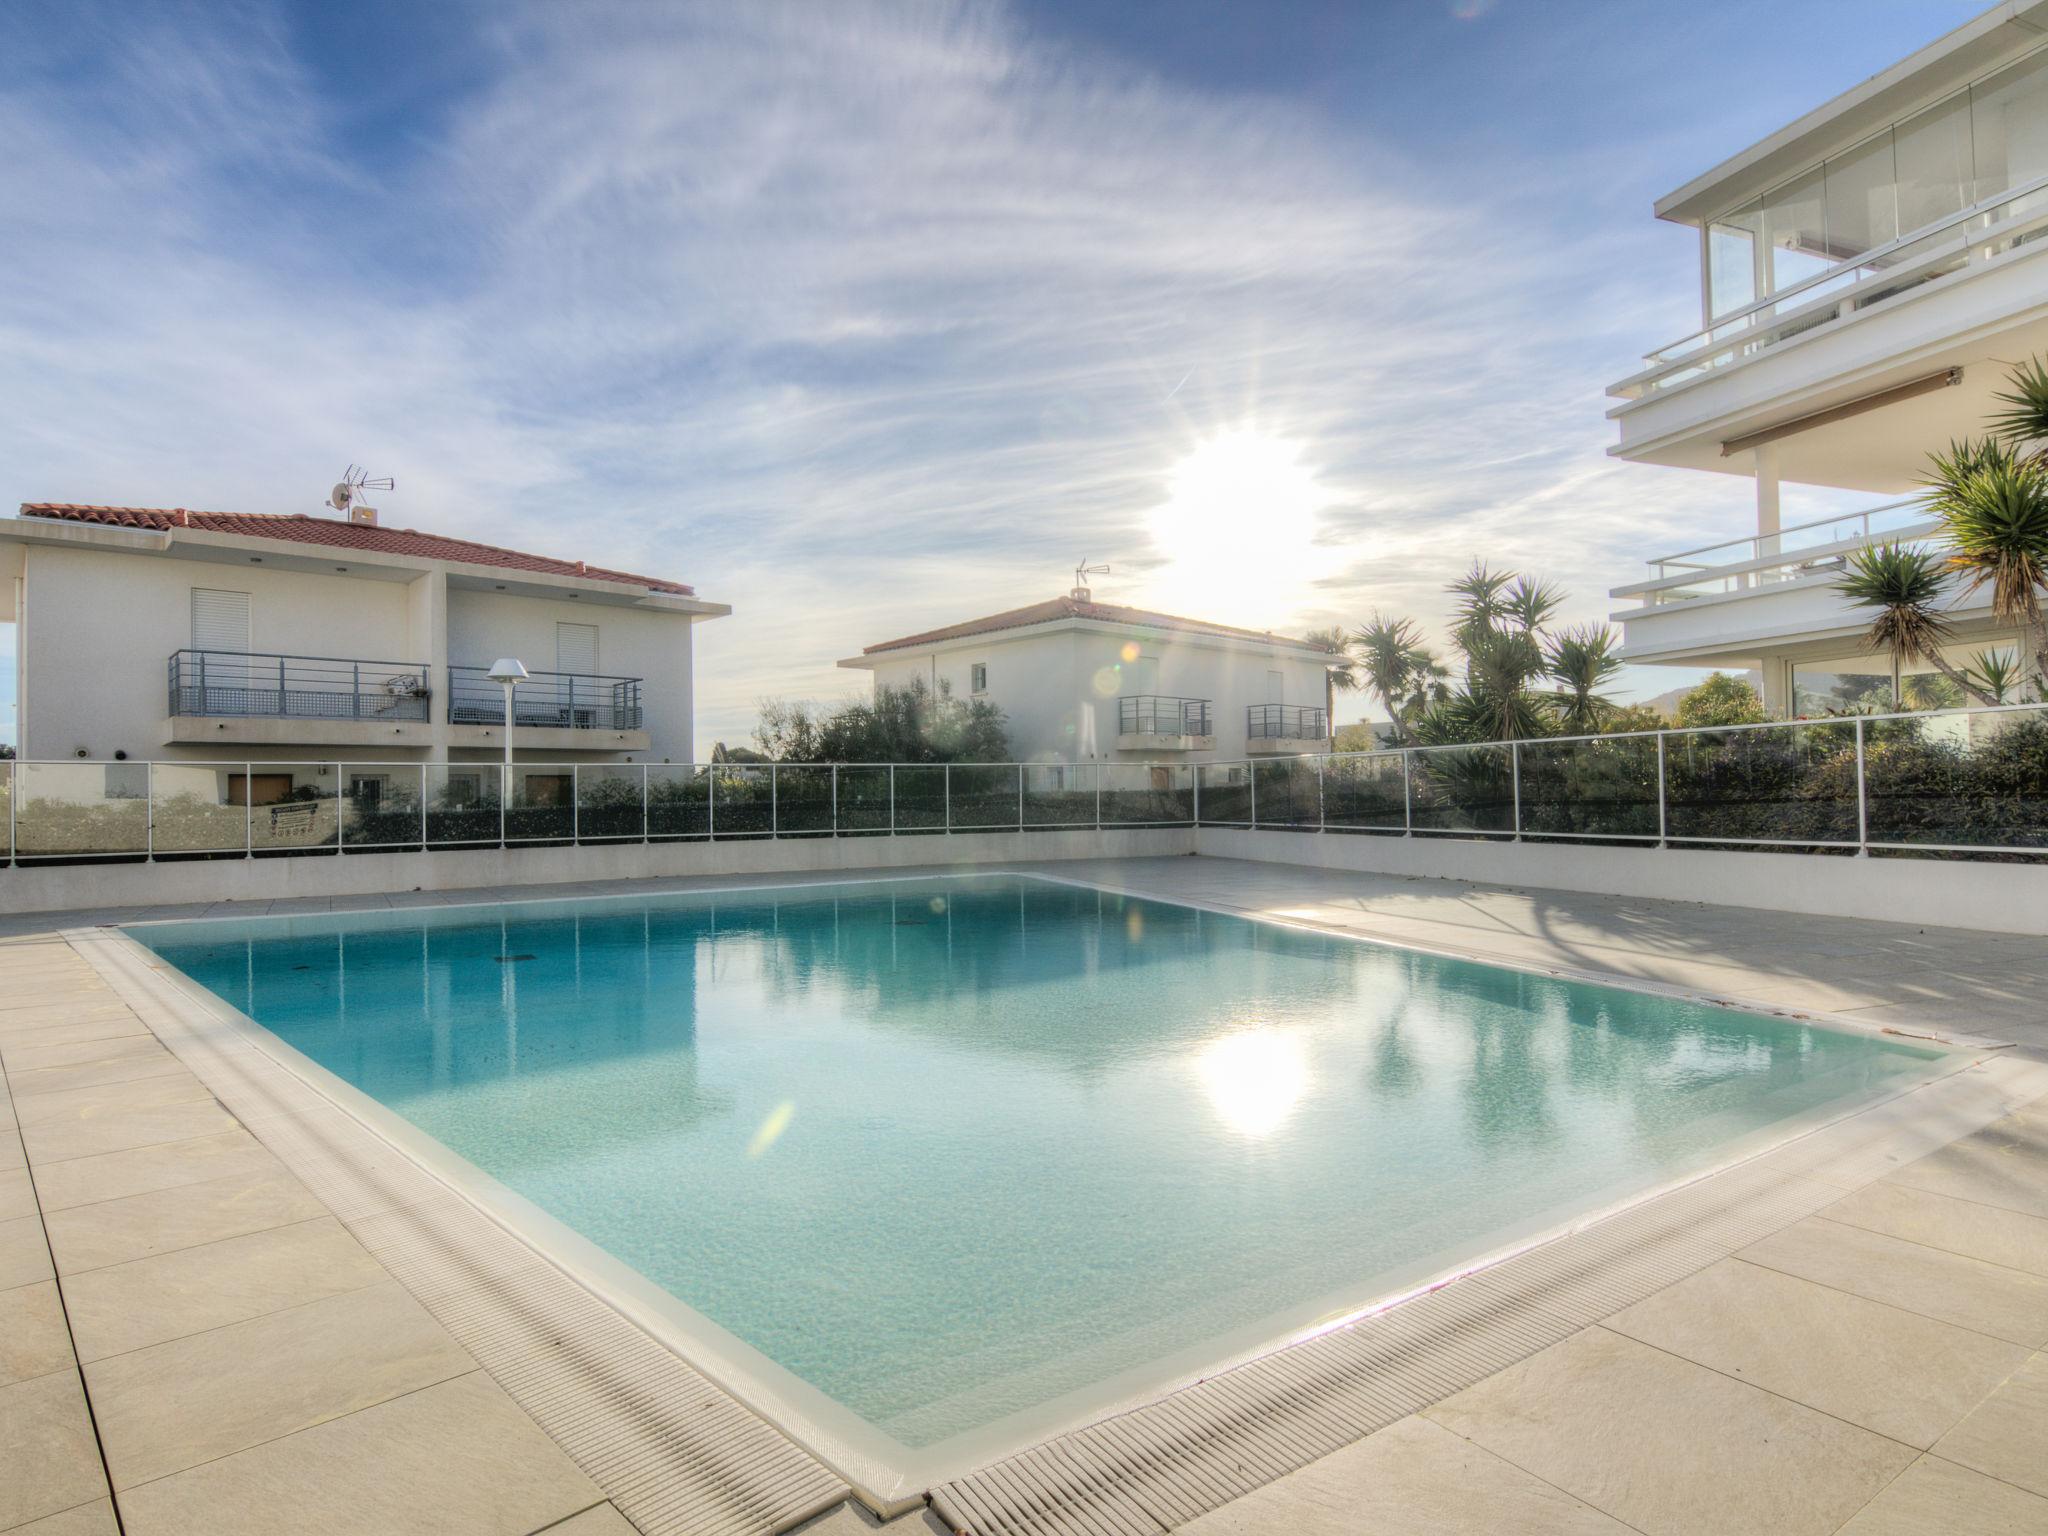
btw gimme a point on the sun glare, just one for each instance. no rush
(1254, 1078)
(1238, 525)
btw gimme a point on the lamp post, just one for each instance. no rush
(509, 673)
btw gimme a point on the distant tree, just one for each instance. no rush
(1581, 661)
(6, 752)
(1398, 669)
(1340, 671)
(1634, 717)
(901, 724)
(1721, 700)
(721, 753)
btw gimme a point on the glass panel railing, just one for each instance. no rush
(1286, 792)
(920, 797)
(381, 804)
(1600, 786)
(6, 810)
(293, 807)
(1792, 784)
(1147, 794)
(1366, 792)
(986, 796)
(463, 804)
(1060, 794)
(1958, 780)
(1462, 789)
(1225, 794)
(742, 800)
(679, 803)
(81, 810)
(194, 808)
(803, 800)
(611, 804)
(541, 807)
(863, 798)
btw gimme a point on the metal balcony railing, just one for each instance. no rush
(1285, 722)
(261, 684)
(1154, 714)
(573, 701)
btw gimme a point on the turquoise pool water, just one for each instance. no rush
(952, 1150)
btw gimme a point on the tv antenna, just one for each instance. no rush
(1081, 574)
(347, 495)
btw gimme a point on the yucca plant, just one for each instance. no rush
(2025, 419)
(1580, 660)
(1340, 669)
(1903, 584)
(1392, 663)
(1500, 666)
(1993, 507)
(1997, 675)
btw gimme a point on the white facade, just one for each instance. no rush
(190, 643)
(1076, 685)
(1869, 274)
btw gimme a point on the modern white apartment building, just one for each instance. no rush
(1081, 681)
(145, 633)
(1868, 276)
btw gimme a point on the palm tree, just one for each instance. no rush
(1903, 585)
(1582, 659)
(1500, 664)
(1997, 675)
(1393, 664)
(2026, 419)
(1993, 506)
(1340, 672)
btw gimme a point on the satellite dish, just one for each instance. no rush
(341, 496)
(347, 493)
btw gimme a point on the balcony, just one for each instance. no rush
(548, 701)
(1272, 730)
(267, 698)
(1152, 722)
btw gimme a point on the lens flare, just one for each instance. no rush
(771, 1129)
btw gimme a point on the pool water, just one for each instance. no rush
(952, 1150)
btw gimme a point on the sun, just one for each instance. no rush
(1239, 521)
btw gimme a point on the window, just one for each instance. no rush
(220, 620)
(576, 649)
(1731, 260)
(463, 791)
(1931, 157)
(2009, 118)
(977, 677)
(1862, 199)
(367, 789)
(1795, 231)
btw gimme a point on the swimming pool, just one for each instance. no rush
(939, 1166)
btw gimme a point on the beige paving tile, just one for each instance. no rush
(1412, 1476)
(1988, 1232)
(1934, 1495)
(11, 1153)
(33, 1338)
(51, 1462)
(175, 1405)
(94, 1519)
(2006, 1436)
(107, 1100)
(133, 1305)
(55, 1140)
(185, 1216)
(1990, 1298)
(24, 1256)
(458, 1459)
(1893, 1372)
(92, 1073)
(17, 1194)
(605, 1520)
(32, 1058)
(1997, 1166)
(139, 1170)
(1669, 1446)
(71, 1027)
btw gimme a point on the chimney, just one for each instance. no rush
(358, 513)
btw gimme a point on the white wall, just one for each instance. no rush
(1059, 689)
(102, 625)
(652, 646)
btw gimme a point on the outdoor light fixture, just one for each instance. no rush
(509, 671)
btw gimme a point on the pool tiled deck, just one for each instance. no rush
(188, 1332)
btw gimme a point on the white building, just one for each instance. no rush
(1081, 681)
(1868, 275)
(283, 639)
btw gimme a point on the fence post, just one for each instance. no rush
(1407, 797)
(1098, 795)
(835, 799)
(1020, 797)
(948, 796)
(646, 813)
(1862, 800)
(423, 807)
(248, 810)
(1515, 778)
(1196, 770)
(774, 806)
(1322, 814)
(149, 812)
(1663, 816)
(340, 808)
(1251, 784)
(576, 804)
(892, 799)
(504, 785)
(356, 683)
(711, 803)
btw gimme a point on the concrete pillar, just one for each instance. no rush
(1765, 456)
(427, 641)
(1777, 687)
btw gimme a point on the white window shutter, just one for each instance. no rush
(576, 648)
(220, 620)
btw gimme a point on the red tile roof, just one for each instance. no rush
(337, 534)
(1077, 608)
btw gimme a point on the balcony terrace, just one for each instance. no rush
(1151, 722)
(1276, 730)
(265, 697)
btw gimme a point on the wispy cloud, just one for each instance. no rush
(860, 317)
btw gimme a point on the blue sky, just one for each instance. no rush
(869, 317)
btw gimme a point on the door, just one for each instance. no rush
(258, 789)
(576, 649)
